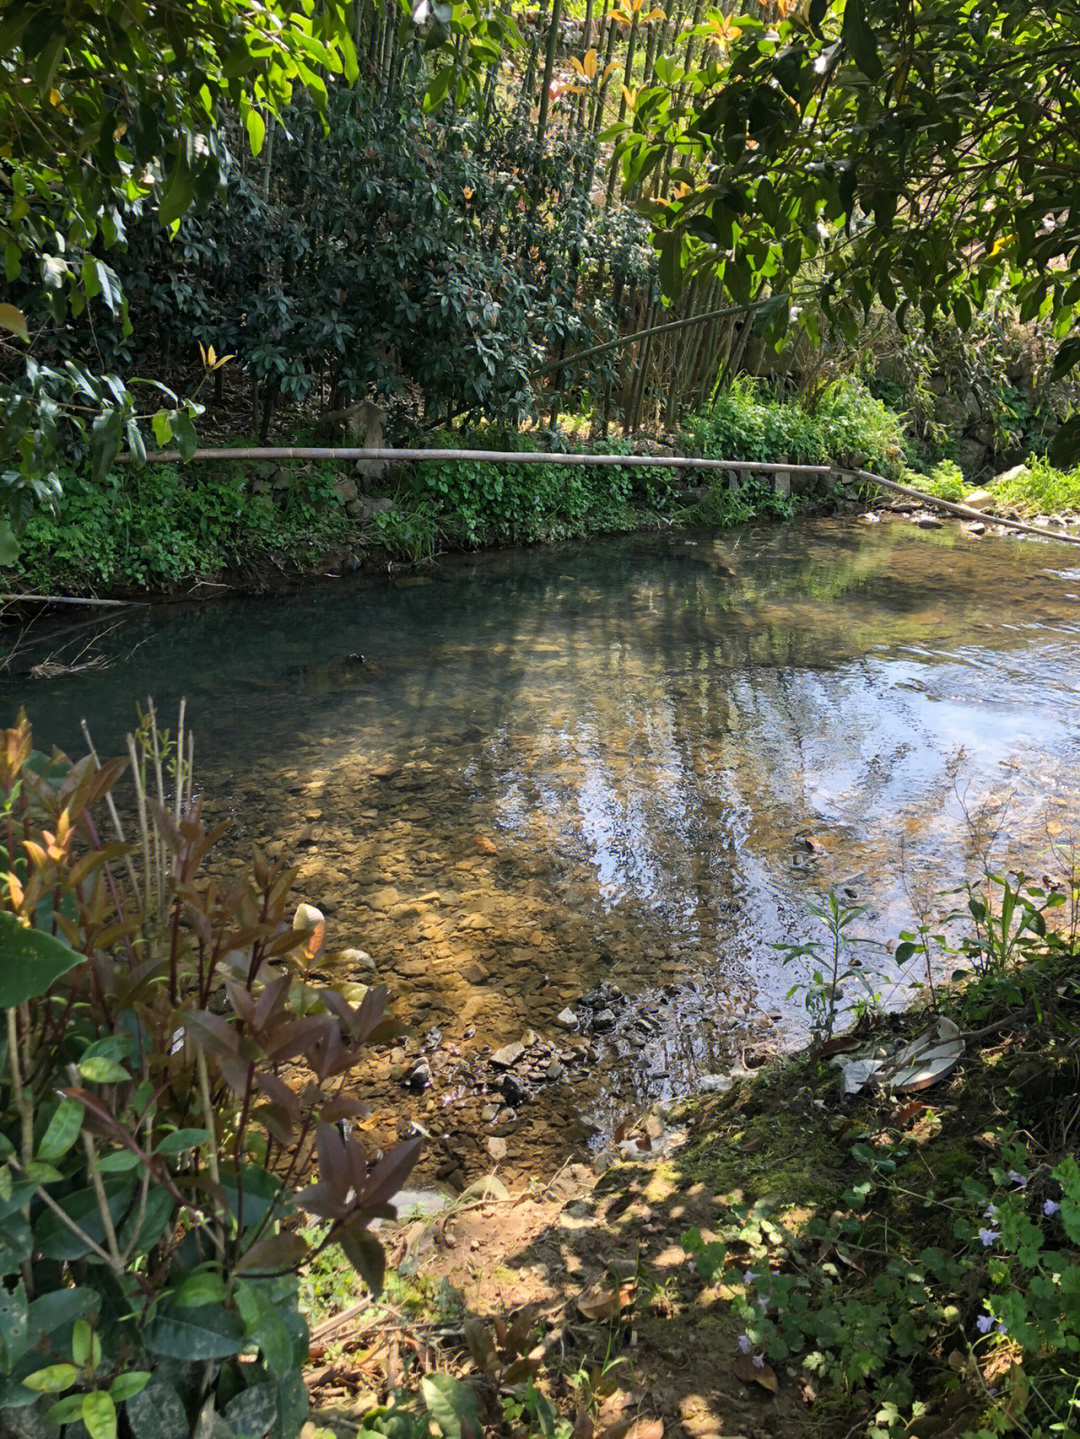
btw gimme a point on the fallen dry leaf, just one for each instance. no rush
(606, 1304)
(751, 1373)
(910, 1111)
(840, 1045)
(751, 1146)
(646, 1429)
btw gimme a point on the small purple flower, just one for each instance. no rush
(984, 1323)
(1000, 1325)
(1050, 1208)
(990, 1212)
(762, 1303)
(744, 1344)
(988, 1236)
(758, 1361)
(749, 1277)
(1020, 1180)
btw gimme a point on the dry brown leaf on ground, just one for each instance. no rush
(606, 1304)
(631, 1428)
(751, 1373)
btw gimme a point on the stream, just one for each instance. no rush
(615, 770)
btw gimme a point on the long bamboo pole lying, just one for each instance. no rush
(538, 457)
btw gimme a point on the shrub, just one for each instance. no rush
(152, 1129)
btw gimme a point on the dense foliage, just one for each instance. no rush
(918, 155)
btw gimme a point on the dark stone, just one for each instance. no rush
(514, 1092)
(603, 1020)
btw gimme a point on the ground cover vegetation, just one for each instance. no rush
(582, 213)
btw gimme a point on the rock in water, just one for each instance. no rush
(508, 1055)
(928, 522)
(983, 499)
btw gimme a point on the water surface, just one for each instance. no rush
(632, 759)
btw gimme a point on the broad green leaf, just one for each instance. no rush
(451, 1404)
(13, 1325)
(9, 545)
(256, 128)
(178, 193)
(157, 1412)
(52, 1378)
(438, 90)
(62, 1131)
(65, 1411)
(195, 1334)
(202, 1287)
(99, 1415)
(104, 443)
(181, 1140)
(30, 961)
(124, 1386)
(100, 1070)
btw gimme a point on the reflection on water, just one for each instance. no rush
(668, 743)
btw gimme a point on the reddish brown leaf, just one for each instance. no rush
(751, 1146)
(604, 1304)
(583, 1425)
(911, 1110)
(751, 1373)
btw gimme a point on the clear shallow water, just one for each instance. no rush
(647, 731)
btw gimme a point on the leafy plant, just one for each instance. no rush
(832, 972)
(152, 1132)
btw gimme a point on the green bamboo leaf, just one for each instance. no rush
(30, 962)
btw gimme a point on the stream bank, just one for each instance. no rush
(782, 1259)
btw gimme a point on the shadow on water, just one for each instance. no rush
(630, 761)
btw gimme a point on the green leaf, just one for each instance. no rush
(256, 128)
(124, 1386)
(451, 1404)
(14, 1325)
(859, 40)
(30, 962)
(178, 193)
(104, 443)
(437, 91)
(52, 1313)
(100, 1070)
(157, 1412)
(187, 441)
(181, 1140)
(51, 1379)
(66, 1410)
(99, 1415)
(195, 1334)
(1067, 356)
(203, 1287)
(162, 426)
(9, 545)
(62, 1132)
